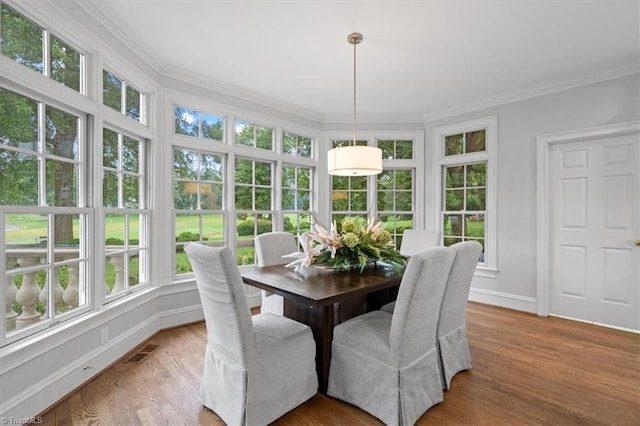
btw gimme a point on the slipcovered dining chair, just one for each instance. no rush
(452, 328)
(416, 240)
(270, 247)
(387, 364)
(256, 368)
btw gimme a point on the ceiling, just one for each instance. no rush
(418, 58)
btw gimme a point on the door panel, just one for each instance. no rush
(595, 269)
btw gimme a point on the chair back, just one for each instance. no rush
(224, 302)
(417, 240)
(456, 293)
(415, 317)
(271, 246)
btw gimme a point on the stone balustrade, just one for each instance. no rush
(29, 293)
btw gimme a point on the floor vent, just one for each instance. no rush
(143, 353)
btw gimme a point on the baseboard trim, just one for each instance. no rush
(505, 300)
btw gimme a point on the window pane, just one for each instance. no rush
(212, 126)
(25, 230)
(244, 171)
(211, 167)
(453, 144)
(133, 103)
(130, 191)
(476, 199)
(264, 138)
(453, 225)
(359, 201)
(263, 199)
(185, 164)
(62, 185)
(111, 91)
(62, 133)
(404, 201)
(21, 39)
(454, 177)
(186, 121)
(109, 189)
(475, 141)
(289, 144)
(19, 179)
(474, 226)
(305, 147)
(388, 149)
(404, 150)
(263, 173)
(18, 121)
(288, 199)
(454, 199)
(386, 180)
(110, 148)
(65, 64)
(244, 200)
(66, 233)
(130, 154)
(477, 174)
(114, 235)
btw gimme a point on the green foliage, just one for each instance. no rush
(188, 236)
(353, 243)
(246, 227)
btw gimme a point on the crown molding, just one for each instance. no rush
(531, 92)
(96, 10)
(240, 93)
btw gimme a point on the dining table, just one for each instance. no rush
(324, 297)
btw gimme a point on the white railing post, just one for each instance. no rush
(28, 293)
(10, 296)
(117, 260)
(71, 293)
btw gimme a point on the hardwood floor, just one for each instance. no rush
(526, 370)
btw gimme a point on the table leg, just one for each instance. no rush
(321, 321)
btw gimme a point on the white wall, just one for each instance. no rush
(605, 102)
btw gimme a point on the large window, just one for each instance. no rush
(27, 43)
(253, 204)
(467, 160)
(198, 201)
(296, 198)
(45, 221)
(124, 195)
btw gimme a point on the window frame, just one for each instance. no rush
(489, 268)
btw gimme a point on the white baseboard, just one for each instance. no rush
(505, 300)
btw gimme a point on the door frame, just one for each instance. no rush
(543, 147)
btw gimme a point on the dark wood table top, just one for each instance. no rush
(316, 287)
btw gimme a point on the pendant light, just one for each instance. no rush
(354, 160)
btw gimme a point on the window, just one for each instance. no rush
(297, 145)
(255, 136)
(395, 187)
(296, 198)
(253, 203)
(42, 210)
(395, 201)
(198, 124)
(122, 97)
(126, 217)
(467, 205)
(198, 200)
(28, 44)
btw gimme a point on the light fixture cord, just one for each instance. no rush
(354, 93)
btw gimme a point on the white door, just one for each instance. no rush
(595, 221)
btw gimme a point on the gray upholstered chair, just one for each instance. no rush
(270, 247)
(387, 364)
(256, 368)
(452, 329)
(416, 240)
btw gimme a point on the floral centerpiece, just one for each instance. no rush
(349, 244)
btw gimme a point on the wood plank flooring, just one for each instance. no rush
(526, 370)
